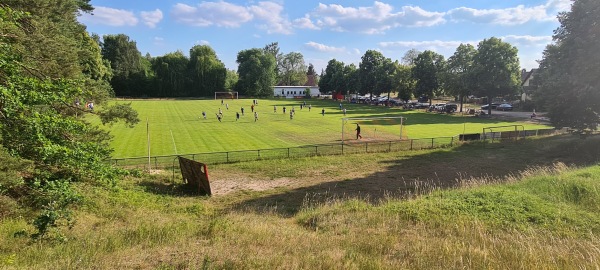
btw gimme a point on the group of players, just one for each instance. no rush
(292, 111)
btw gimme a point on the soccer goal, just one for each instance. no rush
(226, 95)
(389, 128)
(503, 133)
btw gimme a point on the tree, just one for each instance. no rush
(351, 79)
(427, 72)
(569, 86)
(404, 83)
(126, 62)
(496, 69)
(256, 70)
(370, 72)
(458, 80)
(207, 72)
(38, 122)
(332, 80)
(410, 56)
(231, 79)
(171, 78)
(273, 49)
(292, 70)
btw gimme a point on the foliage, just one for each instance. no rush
(208, 73)
(333, 81)
(256, 69)
(171, 78)
(569, 86)
(130, 74)
(39, 120)
(459, 79)
(374, 72)
(427, 71)
(496, 69)
(292, 70)
(404, 83)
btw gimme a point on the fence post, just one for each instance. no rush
(288, 152)
(258, 151)
(451, 141)
(411, 144)
(431, 143)
(227, 157)
(342, 148)
(316, 150)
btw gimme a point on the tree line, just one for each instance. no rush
(490, 70)
(201, 73)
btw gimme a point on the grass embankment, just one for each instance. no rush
(513, 207)
(176, 126)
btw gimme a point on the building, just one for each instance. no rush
(295, 91)
(527, 83)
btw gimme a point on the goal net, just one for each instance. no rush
(503, 133)
(226, 95)
(374, 129)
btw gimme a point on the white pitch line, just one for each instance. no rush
(173, 139)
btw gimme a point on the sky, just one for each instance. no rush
(324, 30)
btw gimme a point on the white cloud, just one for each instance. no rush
(270, 13)
(225, 14)
(305, 23)
(202, 42)
(152, 18)
(110, 16)
(527, 40)
(323, 48)
(375, 19)
(221, 14)
(425, 44)
(511, 16)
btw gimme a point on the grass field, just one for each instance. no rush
(177, 127)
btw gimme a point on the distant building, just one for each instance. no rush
(295, 91)
(527, 82)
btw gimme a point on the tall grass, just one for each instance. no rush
(543, 216)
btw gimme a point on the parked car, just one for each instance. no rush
(505, 107)
(450, 108)
(494, 106)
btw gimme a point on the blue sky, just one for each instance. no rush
(324, 30)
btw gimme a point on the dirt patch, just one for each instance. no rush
(224, 186)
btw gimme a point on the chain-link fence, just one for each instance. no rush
(318, 150)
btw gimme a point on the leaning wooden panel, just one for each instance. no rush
(195, 175)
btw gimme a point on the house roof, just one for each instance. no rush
(527, 75)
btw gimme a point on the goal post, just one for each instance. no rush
(386, 128)
(226, 95)
(499, 133)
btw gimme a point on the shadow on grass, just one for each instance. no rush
(442, 169)
(169, 189)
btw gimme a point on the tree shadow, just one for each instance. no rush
(420, 174)
(169, 189)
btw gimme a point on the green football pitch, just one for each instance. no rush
(177, 126)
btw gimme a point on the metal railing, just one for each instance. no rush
(291, 152)
(317, 150)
